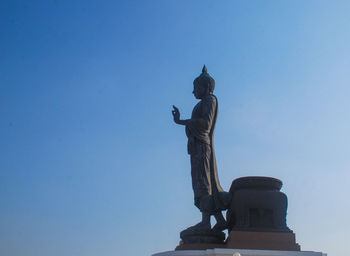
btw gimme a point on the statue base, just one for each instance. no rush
(258, 240)
(238, 252)
(283, 241)
(197, 239)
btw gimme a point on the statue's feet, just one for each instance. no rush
(201, 226)
(220, 226)
(201, 233)
(199, 229)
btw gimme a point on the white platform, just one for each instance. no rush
(238, 252)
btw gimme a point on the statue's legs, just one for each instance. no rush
(204, 224)
(221, 223)
(201, 183)
(200, 173)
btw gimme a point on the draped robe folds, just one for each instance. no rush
(208, 193)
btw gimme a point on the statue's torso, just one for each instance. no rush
(201, 124)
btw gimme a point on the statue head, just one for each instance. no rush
(204, 84)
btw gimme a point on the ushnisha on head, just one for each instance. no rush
(204, 84)
(205, 80)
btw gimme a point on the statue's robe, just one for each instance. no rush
(208, 193)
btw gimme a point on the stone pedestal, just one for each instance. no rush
(198, 246)
(256, 223)
(257, 205)
(192, 236)
(284, 241)
(238, 252)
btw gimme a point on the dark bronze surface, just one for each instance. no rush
(209, 196)
(255, 204)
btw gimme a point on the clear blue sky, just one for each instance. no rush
(91, 162)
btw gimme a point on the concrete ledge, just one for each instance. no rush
(242, 252)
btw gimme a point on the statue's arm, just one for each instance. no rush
(176, 115)
(207, 115)
(182, 122)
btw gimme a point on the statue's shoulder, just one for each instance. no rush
(210, 99)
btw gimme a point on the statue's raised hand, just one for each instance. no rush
(176, 114)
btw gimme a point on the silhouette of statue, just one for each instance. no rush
(209, 196)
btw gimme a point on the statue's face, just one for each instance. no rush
(199, 91)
